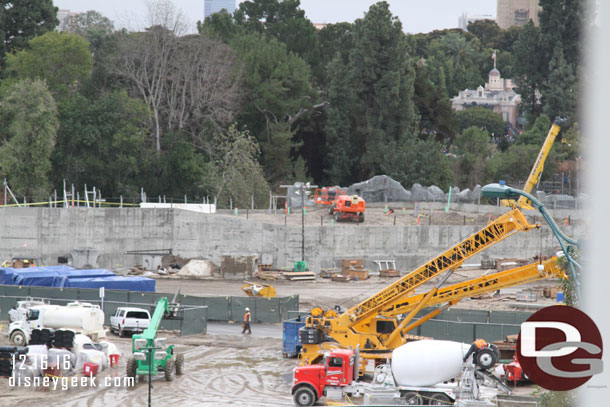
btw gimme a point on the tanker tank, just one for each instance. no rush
(76, 316)
(427, 362)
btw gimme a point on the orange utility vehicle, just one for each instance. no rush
(327, 196)
(348, 207)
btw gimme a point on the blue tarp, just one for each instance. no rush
(9, 274)
(113, 283)
(54, 278)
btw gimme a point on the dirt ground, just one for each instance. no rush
(326, 293)
(376, 215)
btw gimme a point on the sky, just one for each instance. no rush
(415, 15)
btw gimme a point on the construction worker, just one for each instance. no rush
(476, 346)
(247, 319)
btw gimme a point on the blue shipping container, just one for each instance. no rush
(291, 345)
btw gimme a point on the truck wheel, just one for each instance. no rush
(361, 217)
(132, 365)
(180, 364)
(170, 370)
(121, 333)
(440, 399)
(411, 398)
(337, 216)
(18, 338)
(304, 396)
(331, 209)
(486, 358)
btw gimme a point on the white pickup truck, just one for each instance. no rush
(132, 320)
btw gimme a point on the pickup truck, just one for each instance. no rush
(132, 320)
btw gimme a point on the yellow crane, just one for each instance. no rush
(538, 167)
(376, 331)
(375, 325)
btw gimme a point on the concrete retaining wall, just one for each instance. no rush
(49, 233)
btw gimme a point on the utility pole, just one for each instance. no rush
(303, 189)
(302, 223)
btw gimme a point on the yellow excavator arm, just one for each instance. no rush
(538, 167)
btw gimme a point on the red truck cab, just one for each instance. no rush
(313, 381)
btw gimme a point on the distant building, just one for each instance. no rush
(214, 6)
(517, 12)
(62, 16)
(465, 19)
(498, 96)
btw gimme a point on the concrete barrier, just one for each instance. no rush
(53, 232)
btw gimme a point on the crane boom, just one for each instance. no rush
(499, 229)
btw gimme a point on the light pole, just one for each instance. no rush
(505, 192)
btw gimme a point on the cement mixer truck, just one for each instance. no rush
(79, 317)
(420, 373)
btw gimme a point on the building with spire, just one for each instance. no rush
(497, 95)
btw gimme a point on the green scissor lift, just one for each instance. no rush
(147, 348)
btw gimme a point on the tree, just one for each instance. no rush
(278, 92)
(529, 67)
(237, 173)
(482, 118)
(143, 59)
(419, 161)
(282, 20)
(454, 63)
(487, 31)
(371, 110)
(560, 93)
(473, 150)
(102, 142)
(437, 118)
(63, 60)
(203, 88)
(27, 136)
(23, 20)
(90, 25)
(536, 134)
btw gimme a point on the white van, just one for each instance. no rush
(127, 319)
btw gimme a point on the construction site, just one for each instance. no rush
(332, 302)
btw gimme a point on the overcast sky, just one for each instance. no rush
(415, 15)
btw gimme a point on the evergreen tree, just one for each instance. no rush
(378, 84)
(560, 92)
(529, 69)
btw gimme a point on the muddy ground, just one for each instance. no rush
(220, 370)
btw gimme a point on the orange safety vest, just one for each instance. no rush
(480, 343)
(247, 317)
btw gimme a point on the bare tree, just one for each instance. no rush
(190, 83)
(144, 58)
(203, 87)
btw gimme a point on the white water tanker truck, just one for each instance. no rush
(79, 317)
(420, 373)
